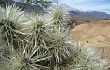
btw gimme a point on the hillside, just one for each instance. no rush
(94, 34)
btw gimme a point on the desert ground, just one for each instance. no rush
(94, 34)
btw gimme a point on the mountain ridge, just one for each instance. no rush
(77, 14)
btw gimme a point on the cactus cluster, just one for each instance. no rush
(30, 41)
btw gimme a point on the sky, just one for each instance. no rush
(89, 5)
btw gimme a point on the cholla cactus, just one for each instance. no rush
(26, 57)
(58, 16)
(45, 46)
(59, 46)
(11, 24)
(86, 59)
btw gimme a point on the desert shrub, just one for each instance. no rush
(42, 43)
(106, 19)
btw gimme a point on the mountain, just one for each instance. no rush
(78, 15)
(74, 13)
(84, 15)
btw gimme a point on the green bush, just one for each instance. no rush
(29, 41)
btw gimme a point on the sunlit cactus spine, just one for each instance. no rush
(46, 44)
(11, 22)
(58, 16)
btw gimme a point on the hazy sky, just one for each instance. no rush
(85, 5)
(91, 5)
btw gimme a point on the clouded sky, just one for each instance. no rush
(85, 5)
(88, 5)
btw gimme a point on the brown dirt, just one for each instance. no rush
(95, 34)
